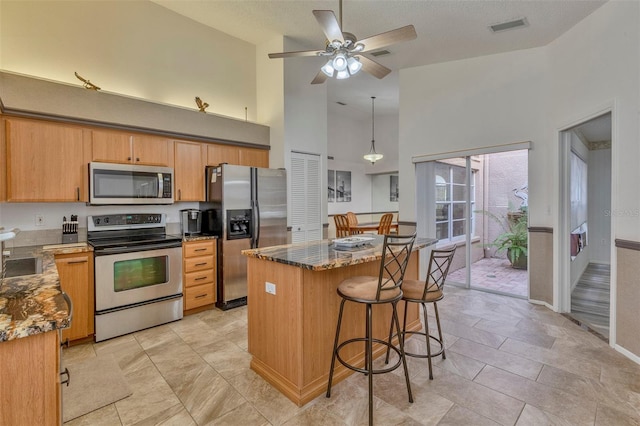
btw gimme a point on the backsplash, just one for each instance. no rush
(23, 217)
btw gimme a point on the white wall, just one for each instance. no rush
(475, 103)
(134, 48)
(305, 114)
(599, 205)
(380, 194)
(360, 189)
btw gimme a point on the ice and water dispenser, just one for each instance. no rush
(239, 224)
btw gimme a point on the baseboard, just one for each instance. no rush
(543, 303)
(633, 357)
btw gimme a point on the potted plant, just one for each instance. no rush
(514, 240)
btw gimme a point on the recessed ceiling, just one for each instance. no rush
(447, 30)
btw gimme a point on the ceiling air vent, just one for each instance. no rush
(503, 26)
(380, 53)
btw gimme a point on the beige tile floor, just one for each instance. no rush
(508, 363)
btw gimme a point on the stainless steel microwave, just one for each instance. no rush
(129, 184)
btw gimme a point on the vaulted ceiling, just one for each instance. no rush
(447, 30)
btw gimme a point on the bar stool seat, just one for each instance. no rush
(428, 291)
(370, 290)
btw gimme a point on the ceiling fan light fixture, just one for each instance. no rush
(354, 65)
(372, 155)
(340, 62)
(328, 68)
(342, 75)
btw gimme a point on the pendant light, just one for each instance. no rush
(372, 155)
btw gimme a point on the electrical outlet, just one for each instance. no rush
(39, 220)
(270, 287)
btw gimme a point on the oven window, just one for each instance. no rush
(137, 273)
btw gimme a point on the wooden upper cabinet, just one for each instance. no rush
(189, 170)
(217, 154)
(253, 157)
(46, 162)
(126, 148)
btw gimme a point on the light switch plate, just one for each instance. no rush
(270, 287)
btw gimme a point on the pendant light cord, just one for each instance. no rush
(373, 121)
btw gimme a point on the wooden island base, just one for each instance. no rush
(291, 332)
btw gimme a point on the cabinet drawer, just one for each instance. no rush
(198, 249)
(198, 263)
(197, 278)
(199, 295)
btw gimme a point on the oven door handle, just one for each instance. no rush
(134, 248)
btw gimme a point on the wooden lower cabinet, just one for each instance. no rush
(30, 384)
(76, 279)
(199, 273)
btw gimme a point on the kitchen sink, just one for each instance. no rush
(23, 266)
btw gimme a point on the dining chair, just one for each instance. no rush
(353, 219)
(342, 225)
(428, 291)
(384, 227)
(371, 290)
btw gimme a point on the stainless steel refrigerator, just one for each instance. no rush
(247, 209)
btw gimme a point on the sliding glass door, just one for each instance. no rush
(479, 204)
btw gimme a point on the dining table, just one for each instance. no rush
(372, 226)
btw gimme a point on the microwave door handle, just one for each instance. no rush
(160, 185)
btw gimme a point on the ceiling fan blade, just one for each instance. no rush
(372, 67)
(294, 54)
(319, 78)
(388, 38)
(329, 23)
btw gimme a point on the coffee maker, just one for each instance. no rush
(190, 222)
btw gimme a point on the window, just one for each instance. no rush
(451, 209)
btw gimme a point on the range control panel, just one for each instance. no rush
(126, 221)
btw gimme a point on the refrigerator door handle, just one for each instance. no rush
(257, 224)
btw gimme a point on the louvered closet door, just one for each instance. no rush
(306, 224)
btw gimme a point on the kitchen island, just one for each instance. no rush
(293, 310)
(32, 312)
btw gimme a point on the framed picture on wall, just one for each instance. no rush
(393, 188)
(343, 186)
(331, 194)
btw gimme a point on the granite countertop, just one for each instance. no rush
(188, 238)
(322, 255)
(33, 304)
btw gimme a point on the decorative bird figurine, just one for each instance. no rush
(201, 105)
(86, 83)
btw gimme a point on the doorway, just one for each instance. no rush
(481, 206)
(587, 149)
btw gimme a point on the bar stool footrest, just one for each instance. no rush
(364, 370)
(422, 333)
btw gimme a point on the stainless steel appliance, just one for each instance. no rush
(248, 210)
(190, 222)
(129, 184)
(138, 273)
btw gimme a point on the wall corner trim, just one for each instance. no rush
(628, 244)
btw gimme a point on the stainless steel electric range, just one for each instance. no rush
(138, 272)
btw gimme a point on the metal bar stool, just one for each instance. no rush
(369, 290)
(423, 292)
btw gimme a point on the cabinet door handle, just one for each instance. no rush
(77, 193)
(68, 379)
(200, 249)
(179, 194)
(73, 262)
(69, 306)
(201, 264)
(128, 158)
(200, 278)
(137, 159)
(200, 296)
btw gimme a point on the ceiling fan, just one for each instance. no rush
(345, 52)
